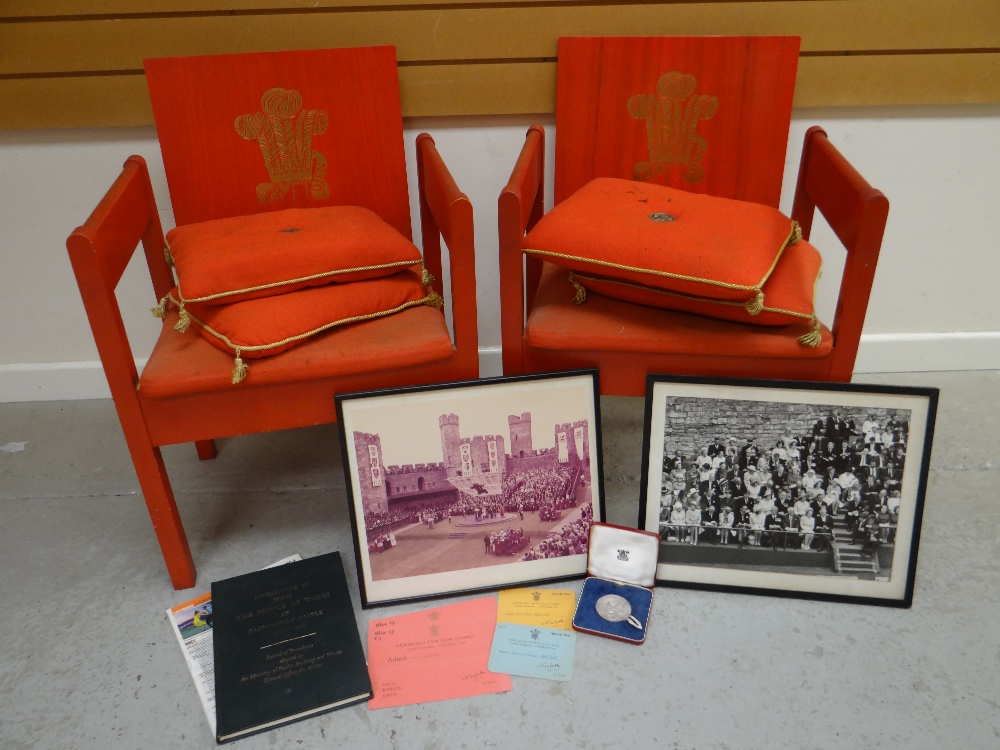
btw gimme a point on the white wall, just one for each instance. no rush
(932, 306)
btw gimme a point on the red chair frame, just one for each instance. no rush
(127, 216)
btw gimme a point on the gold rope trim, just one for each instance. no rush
(240, 370)
(794, 234)
(313, 277)
(812, 339)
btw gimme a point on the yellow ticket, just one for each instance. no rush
(544, 608)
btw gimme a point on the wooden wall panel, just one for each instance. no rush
(61, 66)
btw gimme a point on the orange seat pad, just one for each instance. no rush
(603, 324)
(185, 363)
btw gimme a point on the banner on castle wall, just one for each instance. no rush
(563, 449)
(465, 451)
(494, 458)
(376, 469)
(578, 439)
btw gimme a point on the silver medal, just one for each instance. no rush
(614, 608)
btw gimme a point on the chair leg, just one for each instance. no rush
(162, 507)
(207, 449)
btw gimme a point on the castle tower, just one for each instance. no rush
(450, 440)
(371, 472)
(520, 434)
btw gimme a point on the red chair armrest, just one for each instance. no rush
(445, 211)
(101, 249)
(857, 213)
(520, 206)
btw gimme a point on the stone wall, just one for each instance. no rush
(693, 423)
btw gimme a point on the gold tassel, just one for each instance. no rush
(755, 305)
(796, 233)
(434, 300)
(184, 322)
(581, 291)
(814, 338)
(166, 254)
(160, 311)
(426, 277)
(240, 370)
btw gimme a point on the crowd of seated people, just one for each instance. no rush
(531, 489)
(506, 542)
(376, 521)
(569, 539)
(787, 494)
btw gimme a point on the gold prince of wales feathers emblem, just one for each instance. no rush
(672, 114)
(285, 142)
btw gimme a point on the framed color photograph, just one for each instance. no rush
(812, 490)
(467, 486)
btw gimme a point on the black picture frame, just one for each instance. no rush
(452, 486)
(865, 558)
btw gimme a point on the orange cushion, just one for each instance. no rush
(603, 324)
(268, 325)
(186, 365)
(789, 292)
(665, 238)
(244, 257)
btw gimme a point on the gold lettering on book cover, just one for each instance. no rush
(284, 133)
(672, 113)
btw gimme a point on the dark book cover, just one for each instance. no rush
(286, 646)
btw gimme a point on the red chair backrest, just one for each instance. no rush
(247, 133)
(703, 114)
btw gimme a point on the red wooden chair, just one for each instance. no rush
(617, 115)
(183, 393)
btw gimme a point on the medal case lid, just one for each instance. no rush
(619, 553)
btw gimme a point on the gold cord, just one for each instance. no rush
(313, 277)
(794, 233)
(812, 339)
(431, 299)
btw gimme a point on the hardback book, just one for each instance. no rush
(286, 646)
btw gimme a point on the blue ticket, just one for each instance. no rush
(530, 651)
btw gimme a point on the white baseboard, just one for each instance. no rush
(928, 352)
(916, 352)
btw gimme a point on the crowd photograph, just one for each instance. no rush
(454, 488)
(752, 476)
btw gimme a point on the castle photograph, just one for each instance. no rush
(472, 482)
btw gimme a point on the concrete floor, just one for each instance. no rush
(88, 659)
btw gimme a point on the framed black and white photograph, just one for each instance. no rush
(471, 486)
(812, 490)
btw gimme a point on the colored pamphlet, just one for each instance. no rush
(529, 651)
(545, 608)
(434, 655)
